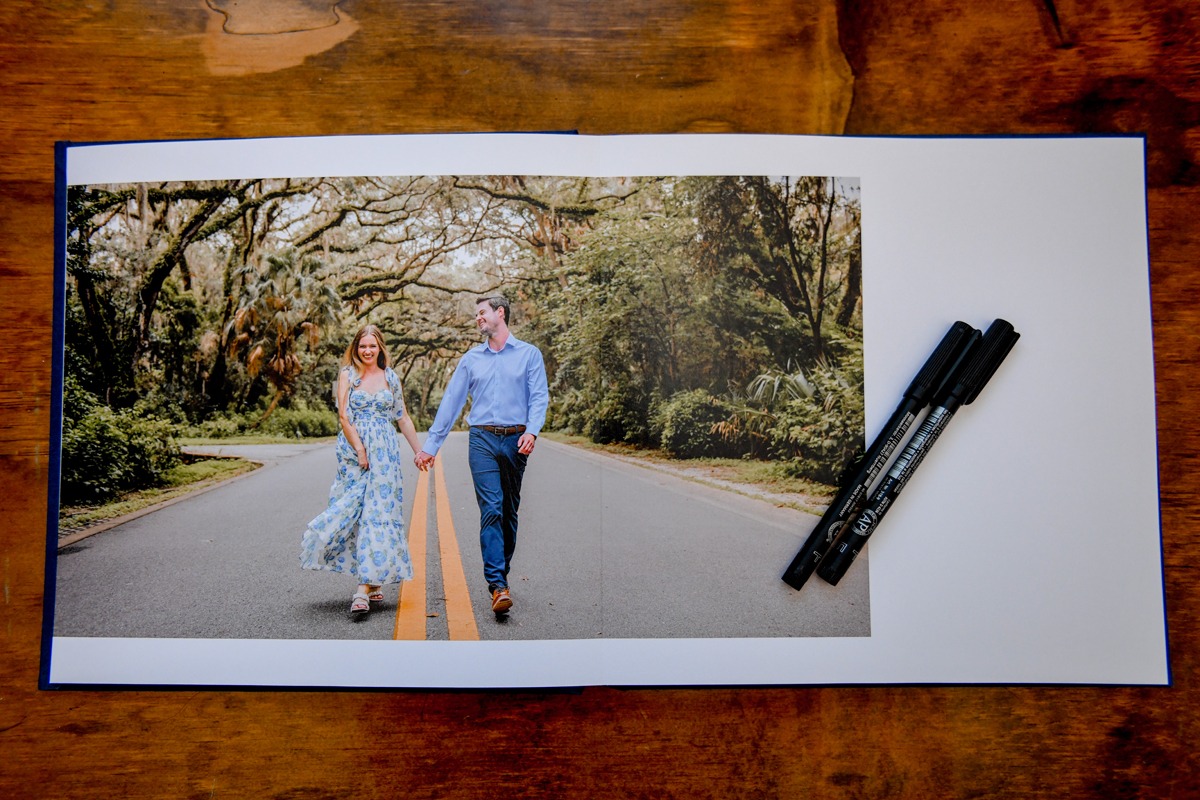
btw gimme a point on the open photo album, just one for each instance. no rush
(549, 410)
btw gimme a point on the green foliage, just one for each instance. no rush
(819, 435)
(689, 423)
(203, 469)
(619, 416)
(176, 339)
(669, 292)
(299, 421)
(223, 307)
(626, 321)
(770, 387)
(810, 422)
(215, 428)
(793, 238)
(106, 452)
(77, 401)
(285, 308)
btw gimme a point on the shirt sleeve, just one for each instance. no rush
(538, 392)
(451, 406)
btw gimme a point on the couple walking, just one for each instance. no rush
(361, 531)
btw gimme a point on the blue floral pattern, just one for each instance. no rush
(361, 531)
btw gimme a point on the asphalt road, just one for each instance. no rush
(606, 549)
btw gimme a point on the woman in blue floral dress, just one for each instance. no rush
(361, 532)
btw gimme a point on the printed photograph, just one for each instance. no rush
(457, 407)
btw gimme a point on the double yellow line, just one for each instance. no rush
(413, 612)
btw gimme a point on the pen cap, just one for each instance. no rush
(979, 365)
(941, 361)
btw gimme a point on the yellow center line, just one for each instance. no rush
(460, 616)
(410, 616)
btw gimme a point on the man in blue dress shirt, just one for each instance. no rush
(506, 380)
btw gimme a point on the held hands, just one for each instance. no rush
(524, 446)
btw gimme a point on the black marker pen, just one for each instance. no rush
(960, 389)
(854, 490)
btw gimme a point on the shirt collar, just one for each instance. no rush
(511, 341)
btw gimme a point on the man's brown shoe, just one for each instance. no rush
(501, 601)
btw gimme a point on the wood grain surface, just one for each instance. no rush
(168, 69)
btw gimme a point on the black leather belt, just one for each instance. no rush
(500, 430)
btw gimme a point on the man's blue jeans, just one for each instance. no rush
(496, 469)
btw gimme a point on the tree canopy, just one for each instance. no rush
(193, 301)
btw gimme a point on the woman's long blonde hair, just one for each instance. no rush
(351, 356)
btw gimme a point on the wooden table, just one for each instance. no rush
(138, 69)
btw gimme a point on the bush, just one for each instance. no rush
(107, 452)
(618, 417)
(297, 422)
(300, 423)
(818, 437)
(689, 421)
(216, 428)
(77, 401)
